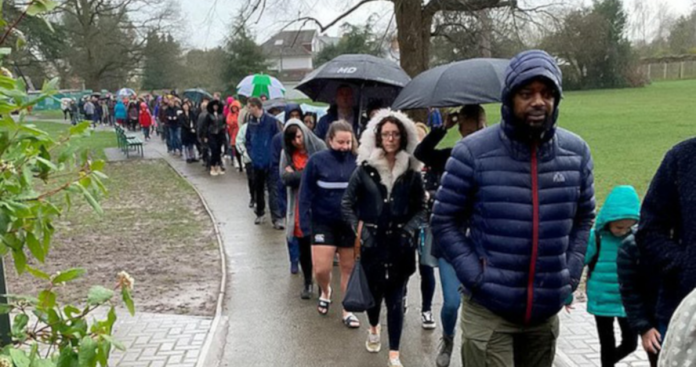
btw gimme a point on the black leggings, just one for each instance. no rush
(250, 180)
(427, 286)
(610, 353)
(305, 257)
(216, 142)
(393, 294)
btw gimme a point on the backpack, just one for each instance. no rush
(595, 258)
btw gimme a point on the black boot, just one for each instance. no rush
(306, 291)
(444, 355)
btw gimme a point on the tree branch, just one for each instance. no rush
(435, 6)
(323, 28)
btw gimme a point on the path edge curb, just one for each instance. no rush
(217, 319)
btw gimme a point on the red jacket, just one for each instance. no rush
(145, 118)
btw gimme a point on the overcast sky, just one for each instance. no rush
(207, 22)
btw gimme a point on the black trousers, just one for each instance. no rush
(392, 292)
(250, 181)
(306, 258)
(261, 186)
(609, 352)
(216, 142)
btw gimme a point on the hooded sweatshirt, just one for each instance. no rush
(228, 105)
(120, 111)
(144, 117)
(514, 212)
(603, 294)
(233, 121)
(292, 180)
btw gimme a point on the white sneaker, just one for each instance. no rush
(373, 343)
(396, 362)
(213, 172)
(428, 321)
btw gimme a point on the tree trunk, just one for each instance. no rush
(414, 26)
(486, 34)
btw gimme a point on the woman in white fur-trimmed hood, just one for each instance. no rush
(386, 193)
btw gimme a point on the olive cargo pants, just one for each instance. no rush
(488, 340)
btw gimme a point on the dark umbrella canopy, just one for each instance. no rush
(474, 81)
(369, 76)
(196, 95)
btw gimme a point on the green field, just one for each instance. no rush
(628, 130)
(96, 141)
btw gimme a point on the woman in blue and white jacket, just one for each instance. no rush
(324, 181)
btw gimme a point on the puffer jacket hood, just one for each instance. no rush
(311, 142)
(213, 103)
(622, 203)
(291, 107)
(236, 104)
(523, 68)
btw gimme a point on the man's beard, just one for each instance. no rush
(533, 132)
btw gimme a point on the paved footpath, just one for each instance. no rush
(265, 323)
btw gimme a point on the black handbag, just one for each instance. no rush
(358, 297)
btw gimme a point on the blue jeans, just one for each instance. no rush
(174, 137)
(293, 250)
(146, 132)
(452, 298)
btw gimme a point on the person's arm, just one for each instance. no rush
(322, 128)
(247, 141)
(591, 248)
(582, 224)
(632, 293)
(418, 206)
(426, 152)
(451, 212)
(290, 178)
(349, 202)
(659, 215)
(241, 140)
(307, 189)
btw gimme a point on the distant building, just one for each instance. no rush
(291, 54)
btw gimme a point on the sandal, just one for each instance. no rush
(323, 306)
(351, 321)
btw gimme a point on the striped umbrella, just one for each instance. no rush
(260, 84)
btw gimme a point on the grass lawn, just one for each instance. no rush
(96, 141)
(154, 227)
(628, 130)
(48, 114)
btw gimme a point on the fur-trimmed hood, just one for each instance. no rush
(369, 153)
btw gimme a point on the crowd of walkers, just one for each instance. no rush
(507, 217)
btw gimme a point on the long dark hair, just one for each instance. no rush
(403, 142)
(289, 136)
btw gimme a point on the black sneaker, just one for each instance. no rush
(306, 292)
(444, 354)
(251, 203)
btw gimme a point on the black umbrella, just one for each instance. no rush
(473, 81)
(370, 77)
(196, 95)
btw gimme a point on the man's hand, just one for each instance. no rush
(651, 341)
(289, 169)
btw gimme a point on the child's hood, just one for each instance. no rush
(622, 203)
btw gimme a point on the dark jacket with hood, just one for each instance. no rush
(332, 116)
(514, 211)
(215, 124)
(188, 127)
(390, 203)
(667, 230)
(292, 180)
(259, 136)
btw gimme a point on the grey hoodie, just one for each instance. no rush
(292, 180)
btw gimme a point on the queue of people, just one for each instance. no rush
(507, 217)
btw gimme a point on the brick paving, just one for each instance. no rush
(578, 345)
(155, 340)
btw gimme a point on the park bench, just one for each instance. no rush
(128, 143)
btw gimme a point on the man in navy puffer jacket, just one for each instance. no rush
(513, 216)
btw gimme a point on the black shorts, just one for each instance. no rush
(338, 235)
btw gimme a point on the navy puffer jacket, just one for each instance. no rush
(513, 215)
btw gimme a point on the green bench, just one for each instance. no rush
(128, 143)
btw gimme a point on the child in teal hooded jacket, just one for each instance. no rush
(620, 212)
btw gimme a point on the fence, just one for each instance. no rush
(670, 70)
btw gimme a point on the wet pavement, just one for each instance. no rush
(265, 323)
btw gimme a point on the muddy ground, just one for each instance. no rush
(154, 227)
